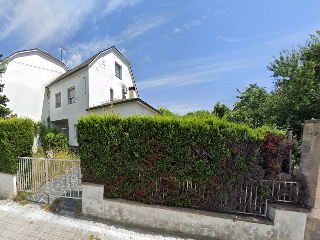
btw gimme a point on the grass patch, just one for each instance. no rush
(55, 206)
(21, 198)
(78, 210)
(94, 238)
(57, 154)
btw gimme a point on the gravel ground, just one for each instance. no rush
(32, 222)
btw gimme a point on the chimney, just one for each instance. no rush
(131, 92)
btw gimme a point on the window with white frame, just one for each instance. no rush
(111, 94)
(58, 100)
(71, 95)
(118, 71)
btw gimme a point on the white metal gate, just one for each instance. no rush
(56, 177)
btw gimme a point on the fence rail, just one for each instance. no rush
(245, 199)
(57, 177)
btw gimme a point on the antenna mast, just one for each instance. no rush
(63, 49)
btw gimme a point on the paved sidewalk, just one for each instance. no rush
(32, 222)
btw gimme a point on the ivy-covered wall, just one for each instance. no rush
(16, 140)
(155, 159)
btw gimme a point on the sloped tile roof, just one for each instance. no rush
(41, 51)
(74, 70)
(86, 63)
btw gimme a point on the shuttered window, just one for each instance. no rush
(71, 95)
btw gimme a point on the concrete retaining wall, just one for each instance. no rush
(284, 224)
(8, 185)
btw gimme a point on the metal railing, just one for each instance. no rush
(57, 177)
(243, 198)
(282, 191)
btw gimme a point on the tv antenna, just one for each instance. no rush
(63, 49)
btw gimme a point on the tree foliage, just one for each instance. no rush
(4, 111)
(296, 94)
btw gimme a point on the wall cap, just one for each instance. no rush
(290, 208)
(312, 121)
(92, 184)
(8, 174)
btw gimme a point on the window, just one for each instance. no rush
(124, 92)
(118, 71)
(58, 100)
(71, 95)
(111, 94)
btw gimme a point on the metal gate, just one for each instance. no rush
(56, 177)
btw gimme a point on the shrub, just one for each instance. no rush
(52, 139)
(16, 140)
(134, 156)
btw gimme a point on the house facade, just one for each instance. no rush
(40, 87)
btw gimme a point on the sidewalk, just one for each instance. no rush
(32, 222)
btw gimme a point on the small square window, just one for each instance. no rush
(118, 71)
(71, 95)
(111, 94)
(58, 100)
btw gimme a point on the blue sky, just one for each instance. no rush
(185, 55)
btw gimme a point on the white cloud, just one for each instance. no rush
(181, 108)
(148, 59)
(43, 22)
(118, 5)
(196, 71)
(176, 30)
(192, 24)
(234, 40)
(138, 28)
(74, 60)
(221, 11)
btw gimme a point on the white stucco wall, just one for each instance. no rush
(8, 185)
(126, 110)
(25, 79)
(68, 111)
(102, 78)
(286, 223)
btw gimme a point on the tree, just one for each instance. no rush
(297, 85)
(253, 108)
(4, 111)
(296, 94)
(166, 112)
(220, 110)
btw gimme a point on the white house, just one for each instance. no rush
(40, 87)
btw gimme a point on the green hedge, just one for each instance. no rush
(130, 155)
(16, 140)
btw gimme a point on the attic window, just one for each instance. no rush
(58, 100)
(71, 95)
(118, 71)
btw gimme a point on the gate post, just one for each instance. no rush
(309, 176)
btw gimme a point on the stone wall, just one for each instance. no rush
(309, 176)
